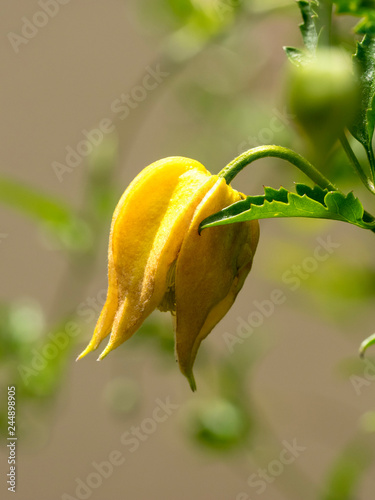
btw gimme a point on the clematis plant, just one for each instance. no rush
(182, 240)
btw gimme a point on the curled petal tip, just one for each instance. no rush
(88, 349)
(191, 380)
(106, 351)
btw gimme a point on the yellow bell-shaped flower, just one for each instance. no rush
(157, 259)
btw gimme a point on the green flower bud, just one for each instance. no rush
(324, 96)
(217, 424)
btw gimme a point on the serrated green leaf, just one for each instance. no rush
(363, 126)
(364, 59)
(309, 34)
(308, 202)
(308, 27)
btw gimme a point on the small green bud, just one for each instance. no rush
(324, 96)
(218, 424)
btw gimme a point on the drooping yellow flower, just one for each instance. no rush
(157, 259)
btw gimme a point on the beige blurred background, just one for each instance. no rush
(303, 357)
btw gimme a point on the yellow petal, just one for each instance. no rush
(211, 269)
(148, 227)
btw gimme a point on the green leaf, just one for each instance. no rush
(367, 25)
(361, 8)
(308, 27)
(363, 126)
(33, 203)
(343, 481)
(56, 216)
(364, 60)
(295, 56)
(308, 202)
(309, 34)
(42, 382)
(354, 7)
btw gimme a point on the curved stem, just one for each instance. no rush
(234, 167)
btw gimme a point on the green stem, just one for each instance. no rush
(234, 167)
(355, 163)
(324, 22)
(371, 159)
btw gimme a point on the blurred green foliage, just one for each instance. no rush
(218, 424)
